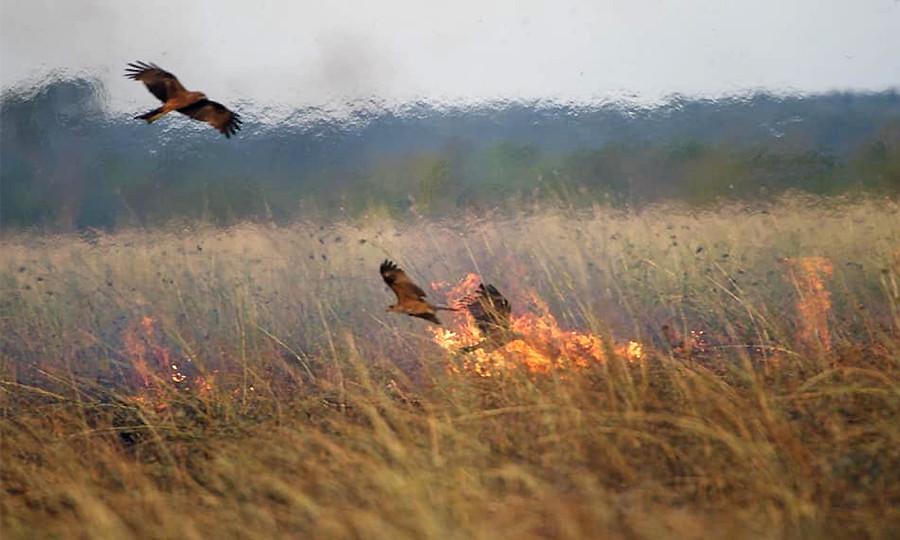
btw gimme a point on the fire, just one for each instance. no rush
(464, 288)
(633, 350)
(148, 358)
(541, 347)
(807, 274)
(156, 371)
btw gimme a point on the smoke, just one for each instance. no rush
(307, 53)
(351, 67)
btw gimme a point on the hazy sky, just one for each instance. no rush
(294, 53)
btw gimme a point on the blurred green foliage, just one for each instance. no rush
(67, 165)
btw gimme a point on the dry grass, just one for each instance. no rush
(299, 407)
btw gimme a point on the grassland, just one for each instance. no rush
(297, 407)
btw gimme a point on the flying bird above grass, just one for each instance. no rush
(410, 297)
(491, 311)
(167, 89)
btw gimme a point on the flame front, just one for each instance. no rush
(541, 346)
(155, 373)
(814, 303)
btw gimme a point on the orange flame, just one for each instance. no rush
(148, 358)
(542, 348)
(815, 300)
(464, 288)
(155, 369)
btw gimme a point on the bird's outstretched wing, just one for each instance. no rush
(215, 114)
(400, 283)
(489, 308)
(160, 82)
(491, 311)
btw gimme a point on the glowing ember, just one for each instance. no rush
(632, 351)
(542, 346)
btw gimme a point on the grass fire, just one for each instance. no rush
(730, 372)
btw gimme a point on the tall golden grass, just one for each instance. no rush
(248, 382)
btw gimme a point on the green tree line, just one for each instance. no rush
(67, 164)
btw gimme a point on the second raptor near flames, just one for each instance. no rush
(491, 311)
(487, 305)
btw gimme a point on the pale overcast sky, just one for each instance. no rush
(295, 53)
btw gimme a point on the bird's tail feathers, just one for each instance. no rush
(432, 318)
(155, 114)
(446, 308)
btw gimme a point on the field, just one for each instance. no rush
(722, 373)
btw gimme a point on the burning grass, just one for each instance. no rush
(538, 345)
(722, 374)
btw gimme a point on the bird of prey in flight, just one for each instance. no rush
(410, 297)
(167, 89)
(491, 311)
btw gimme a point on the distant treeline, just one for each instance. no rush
(66, 163)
